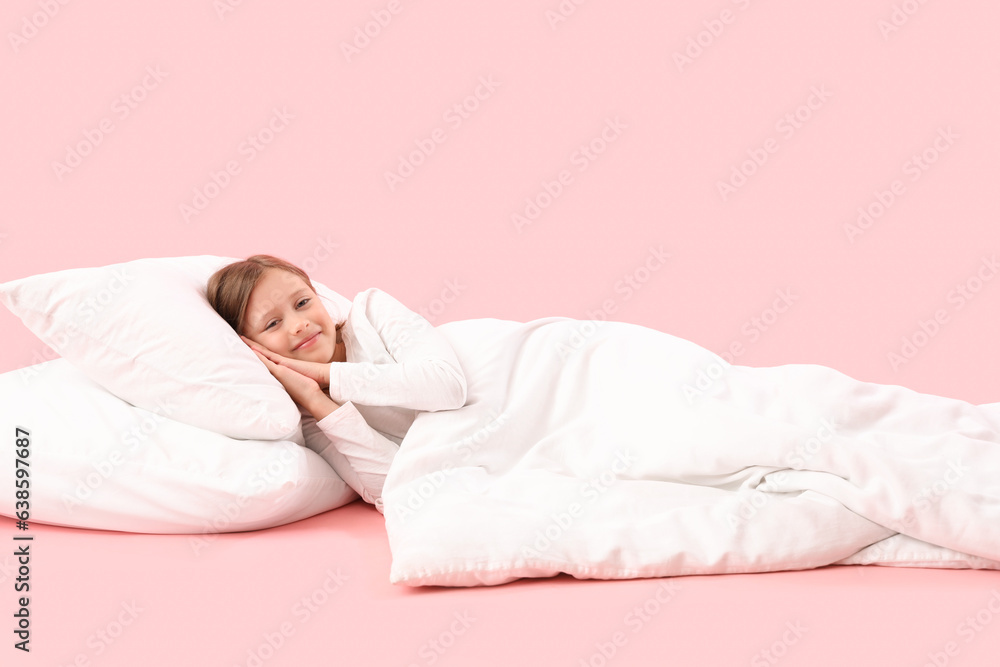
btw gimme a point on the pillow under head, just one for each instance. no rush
(144, 330)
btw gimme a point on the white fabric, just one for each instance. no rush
(610, 450)
(397, 364)
(144, 329)
(95, 461)
(395, 358)
(367, 453)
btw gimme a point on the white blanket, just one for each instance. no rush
(610, 450)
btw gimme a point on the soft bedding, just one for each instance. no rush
(156, 417)
(144, 330)
(610, 450)
(94, 460)
(159, 419)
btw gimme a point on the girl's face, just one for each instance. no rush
(286, 317)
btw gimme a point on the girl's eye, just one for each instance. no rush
(301, 301)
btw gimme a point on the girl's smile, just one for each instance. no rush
(308, 341)
(287, 317)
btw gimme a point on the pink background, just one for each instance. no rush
(316, 194)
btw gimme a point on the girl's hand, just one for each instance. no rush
(317, 371)
(303, 390)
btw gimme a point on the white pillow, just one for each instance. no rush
(94, 461)
(144, 330)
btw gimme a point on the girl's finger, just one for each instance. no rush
(252, 345)
(267, 354)
(267, 362)
(274, 367)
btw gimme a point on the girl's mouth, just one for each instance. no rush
(308, 341)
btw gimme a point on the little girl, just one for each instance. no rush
(273, 306)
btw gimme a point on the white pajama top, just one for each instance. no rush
(397, 365)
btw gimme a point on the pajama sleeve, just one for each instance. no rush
(357, 452)
(426, 374)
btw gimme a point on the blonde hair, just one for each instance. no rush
(229, 288)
